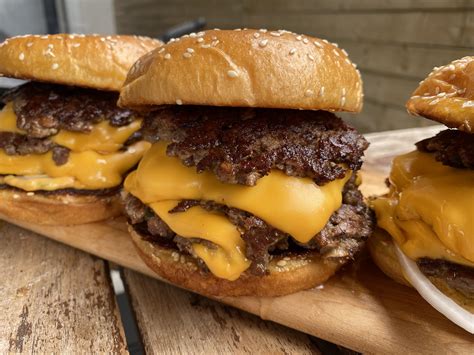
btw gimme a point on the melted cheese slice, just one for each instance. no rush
(294, 205)
(89, 170)
(227, 260)
(102, 138)
(430, 209)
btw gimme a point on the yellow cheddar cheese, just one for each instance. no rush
(294, 205)
(103, 138)
(89, 170)
(430, 209)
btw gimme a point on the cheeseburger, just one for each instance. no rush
(426, 236)
(250, 187)
(64, 143)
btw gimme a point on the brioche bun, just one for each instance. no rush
(447, 95)
(246, 68)
(91, 61)
(383, 253)
(298, 272)
(57, 209)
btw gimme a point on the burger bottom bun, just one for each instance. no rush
(382, 249)
(60, 209)
(298, 272)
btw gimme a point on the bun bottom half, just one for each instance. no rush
(382, 250)
(296, 273)
(57, 209)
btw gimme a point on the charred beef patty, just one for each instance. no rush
(44, 109)
(241, 145)
(459, 277)
(451, 147)
(343, 236)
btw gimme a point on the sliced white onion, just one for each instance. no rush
(433, 296)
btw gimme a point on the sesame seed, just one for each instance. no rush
(200, 39)
(187, 55)
(343, 91)
(55, 66)
(15, 196)
(299, 38)
(102, 39)
(21, 56)
(29, 44)
(179, 102)
(215, 43)
(305, 41)
(345, 53)
(336, 52)
(325, 41)
(76, 45)
(30, 193)
(161, 50)
(189, 50)
(275, 34)
(292, 51)
(310, 57)
(347, 61)
(308, 93)
(256, 35)
(200, 34)
(167, 56)
(317, 44)
(281, 263)
(192, 35)
(321, 91)
(263, 30)
(44, 37)
(263, 43)
(205, 46)
(232, 74)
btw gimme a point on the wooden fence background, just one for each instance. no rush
(395, 43)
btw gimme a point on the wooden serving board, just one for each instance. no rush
(359, 308)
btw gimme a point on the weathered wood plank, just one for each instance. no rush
(176, 321)
(401, 60)
(54, 299)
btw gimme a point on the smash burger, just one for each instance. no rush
(427, 219)
(64, 143)
(250, 187)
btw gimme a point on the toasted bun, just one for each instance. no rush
(61, 209)
(89, 61)
(383, 252)
(246, 68)
(298, 273)
(447, 95)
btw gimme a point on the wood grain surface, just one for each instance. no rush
(54, 299)
(174, 321)
(360, 308)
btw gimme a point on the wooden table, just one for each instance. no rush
(54, 298)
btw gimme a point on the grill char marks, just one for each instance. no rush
(44, 109)
(342, 237)
(451, 147)
(241, 145)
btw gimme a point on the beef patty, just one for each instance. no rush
(342, 237)
(44, 109)
(451, 147)
(241, 145)
(459, 277)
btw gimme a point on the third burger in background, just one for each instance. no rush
(427, 218)
(250, 187)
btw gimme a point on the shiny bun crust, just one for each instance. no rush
(447, 95)
(383, 252)
(246, 68)
(55, 210)
(94, 61)
(298, 273)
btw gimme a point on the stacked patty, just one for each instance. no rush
(239, 146)
(43, 110)
(456, 149)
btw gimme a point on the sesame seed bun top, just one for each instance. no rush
(447, 95)
(94, 61)
(246, 68)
